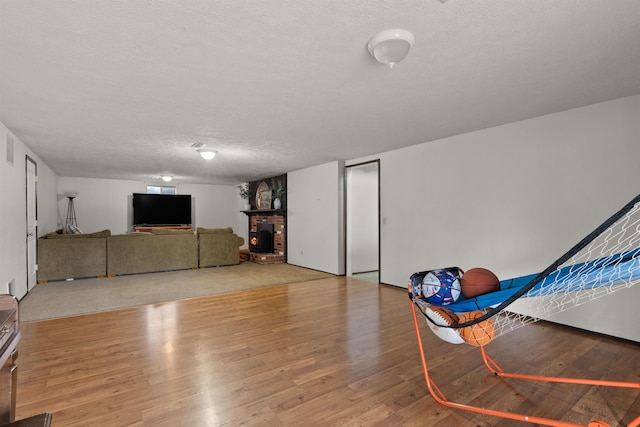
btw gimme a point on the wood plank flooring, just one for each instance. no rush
(331, 352)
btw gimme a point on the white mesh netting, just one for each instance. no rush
(605, 261)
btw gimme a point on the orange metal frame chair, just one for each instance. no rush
(496, 370)
(607, 240)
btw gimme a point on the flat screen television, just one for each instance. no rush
(161, 209)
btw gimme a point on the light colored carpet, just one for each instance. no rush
(75, 297)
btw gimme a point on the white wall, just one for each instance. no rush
(106, 203)
(315, 218)
(100, 203)
(510, 198)
(513, 198)
(13, 252)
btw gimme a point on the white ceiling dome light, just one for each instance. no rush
(207, 154)
(391, 46)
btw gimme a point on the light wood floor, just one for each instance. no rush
(326, 352)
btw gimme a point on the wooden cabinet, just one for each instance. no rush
(167, 227)
(9, 338)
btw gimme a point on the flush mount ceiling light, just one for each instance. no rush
(391, 46)
(167, 178)
(207, 154)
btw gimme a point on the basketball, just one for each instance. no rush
(478, 281)
(479, 334)
(441, 316)
(440, 287)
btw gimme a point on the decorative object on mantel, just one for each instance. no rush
(263, 196)
(277, 191)
(245, 193)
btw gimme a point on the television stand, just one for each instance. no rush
(147, 229)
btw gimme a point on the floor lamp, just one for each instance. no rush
(71, 211)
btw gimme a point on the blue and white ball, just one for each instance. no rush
(440, 287)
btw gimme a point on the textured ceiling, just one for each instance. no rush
(123, 88)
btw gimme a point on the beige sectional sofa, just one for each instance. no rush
(65, 256)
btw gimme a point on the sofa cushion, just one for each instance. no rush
(97, 234)
(52, 234)
(225, 230)
(132, 233)
(165, 231)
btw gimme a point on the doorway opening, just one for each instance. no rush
(363, 221)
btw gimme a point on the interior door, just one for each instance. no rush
(32, 222)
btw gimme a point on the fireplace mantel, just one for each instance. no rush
(264, 212)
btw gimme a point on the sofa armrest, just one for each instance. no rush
(219, 249)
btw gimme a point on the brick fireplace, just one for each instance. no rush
(267, 211)
(279, 254)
